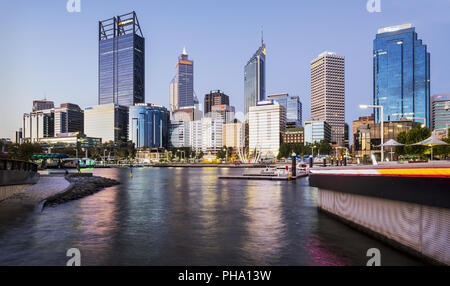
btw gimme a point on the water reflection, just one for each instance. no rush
(176, 216)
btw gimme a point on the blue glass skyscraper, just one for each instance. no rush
(121, 69)
(293, 108)
(255, 78)
(148, 126)
(401, 75)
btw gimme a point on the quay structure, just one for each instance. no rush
(406, 206)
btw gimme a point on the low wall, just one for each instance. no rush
(425, 230)
(8, 191)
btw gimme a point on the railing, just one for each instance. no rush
(14, 165)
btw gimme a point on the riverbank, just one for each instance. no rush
(81, 185)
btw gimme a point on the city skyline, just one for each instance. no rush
(68, 84)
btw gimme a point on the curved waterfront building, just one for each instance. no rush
(401, 75)
(255, 78)
(148, 125)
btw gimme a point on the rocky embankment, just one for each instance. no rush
(81, 185)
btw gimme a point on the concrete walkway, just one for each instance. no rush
(46, 186)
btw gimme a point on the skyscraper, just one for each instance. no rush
(293, 108)
(121, 69)
(182, 85)
(401, 75)
(440, 111)
(215, 97)
(328, 93)
(255, 78)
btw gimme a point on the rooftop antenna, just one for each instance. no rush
(262, 36)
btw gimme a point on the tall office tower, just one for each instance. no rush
(107, 121)
(68, 118)
(293, 108)
(266, 122)
(440, 111)
(148, 125)
(215, 97)
(42, 104)
(182, 85)
(401, 75)
(255, 78)
(121, 69)
(328, 93)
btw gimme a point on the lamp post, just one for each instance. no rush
(364, 106)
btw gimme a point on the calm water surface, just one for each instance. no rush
(187, 216)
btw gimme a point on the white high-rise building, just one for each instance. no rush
(107, 121)
(206, 135)
(328, 93)
(179, 134)
(266, 122)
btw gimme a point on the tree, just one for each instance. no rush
(412, 136)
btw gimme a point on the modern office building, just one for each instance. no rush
(211, 135)
(189, 113)
(255, 78)
(37, 125)
(107, 121)
(362, 120)
(70, 140)
(179, 134)
(316, 131)
(293, 136)
(233, 135)
(328, 93)
(148, 126)
(121, 68)
(182, 85)
(440, 111)
(18, 139)
(215, 97)
(293, 108)
(401, 75)
(68, 118)
(42, 104)
(266, 122)
(367, 138)
(224, 112)
(196, 135)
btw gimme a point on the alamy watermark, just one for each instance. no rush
(375, 257)
(73, 6)
(373, 6)
(75, 257)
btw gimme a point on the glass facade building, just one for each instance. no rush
(182, 85)
(148, 126)
(293, 108)
(255, 78)
(121, 61)
(401, 75)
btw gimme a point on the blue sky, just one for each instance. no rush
(46, 51)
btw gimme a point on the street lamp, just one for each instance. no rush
(365, 106)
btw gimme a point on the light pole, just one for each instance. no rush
(364, 106)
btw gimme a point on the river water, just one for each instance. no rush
(187, 216)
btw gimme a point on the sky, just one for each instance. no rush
(47, 52)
